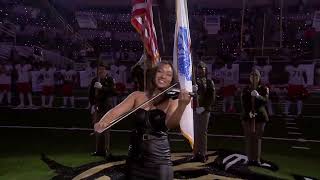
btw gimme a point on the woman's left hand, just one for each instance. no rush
(184, 97)
(100, 126)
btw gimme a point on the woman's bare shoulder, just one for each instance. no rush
(137, 94)
(139, 97)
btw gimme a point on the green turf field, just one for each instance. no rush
(20, 154)
(21, 149)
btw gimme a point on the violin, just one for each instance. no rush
(174, 93)
(170, 92)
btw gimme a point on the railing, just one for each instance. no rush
(8, 31)
(67, 26)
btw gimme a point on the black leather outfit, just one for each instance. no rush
(149, 150)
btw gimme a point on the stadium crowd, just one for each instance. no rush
(112, 39)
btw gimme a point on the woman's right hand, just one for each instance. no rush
(100, 126)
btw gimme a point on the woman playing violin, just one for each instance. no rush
(149, 150)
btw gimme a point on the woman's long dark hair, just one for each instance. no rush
(151, 74)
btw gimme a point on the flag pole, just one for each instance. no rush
(97, 71)
(161, 31)
(281, 29)
(263, 33)
(96, 91)
(145, 71)
(242, 21)
(196, 101)
(145, 55)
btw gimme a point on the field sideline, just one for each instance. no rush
(21, 148)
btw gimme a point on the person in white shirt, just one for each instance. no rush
(296, 86)
(91, 73)
(217, 74)
(264, 70)
(122, 74)
(229, 87)
(114, 70)
(122, 80)
(115, 74)
(69, 77)
(58, 78)
(5, 82)
(23, 83)
(48, 84)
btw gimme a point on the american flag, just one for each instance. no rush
(142, 21)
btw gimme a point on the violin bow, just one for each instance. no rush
(253, 104)
(135, 109)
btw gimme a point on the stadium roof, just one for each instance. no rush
(200, 3)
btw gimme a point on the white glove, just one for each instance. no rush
(255, 93)
(93, 109)
(252, 115)
(200, 110)
(194, 88)
(98, 85)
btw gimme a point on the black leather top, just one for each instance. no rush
(149, 139)
(155, 117)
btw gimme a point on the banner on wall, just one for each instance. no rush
(316, 20)
(80, 66)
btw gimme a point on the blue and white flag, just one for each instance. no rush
(183, 64)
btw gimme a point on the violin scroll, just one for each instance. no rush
(174, 93)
